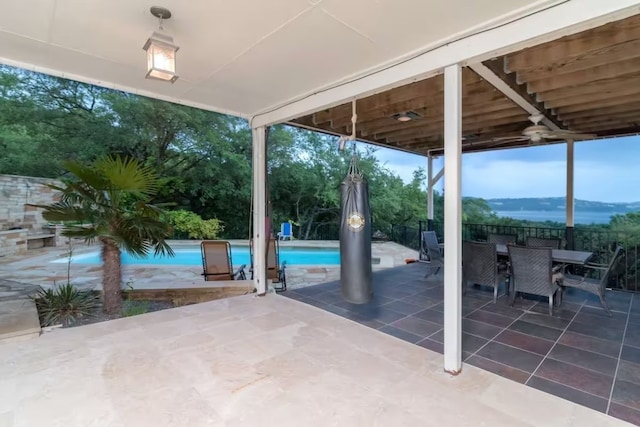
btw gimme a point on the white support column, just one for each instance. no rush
(570, 200)
(453, 219)
(259, 165)
(429, 192)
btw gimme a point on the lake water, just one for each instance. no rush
(583, 217)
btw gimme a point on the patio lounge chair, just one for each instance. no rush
(595, 286)
(286, 231)
(275, 271)
(216, 261)
(480, 266)
(430, 252)
(531, 272)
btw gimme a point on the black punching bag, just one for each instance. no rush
(355, 237)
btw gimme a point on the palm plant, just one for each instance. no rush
(112, 198)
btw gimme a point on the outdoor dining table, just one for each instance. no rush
(562, 256)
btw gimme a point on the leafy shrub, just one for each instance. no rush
(190, 224)
(134, 308)
(65, 304)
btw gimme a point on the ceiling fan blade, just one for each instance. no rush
(509, 138)
(568, 135)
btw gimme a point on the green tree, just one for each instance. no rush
(111, 200)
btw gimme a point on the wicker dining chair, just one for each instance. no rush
(502, 239)
(595, 286)
(430, 252)
(541, 242)
(480, 266)
(531, 272)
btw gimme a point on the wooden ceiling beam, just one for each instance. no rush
(469, 118)
(422, 90)
(610, 54)
(578, 78)
(493, 72)
(584, 122)
(436, 108)
(482, 107)
(612, 86)
(508, 124)
(615, 127)
(476, 93)
(591, 100)
(590, 103)
(601, 112)
(575, 44)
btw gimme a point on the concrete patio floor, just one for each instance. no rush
(251, 361)
(578, 354)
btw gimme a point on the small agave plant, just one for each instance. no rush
(65, 304)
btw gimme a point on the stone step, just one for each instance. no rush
(18, 320)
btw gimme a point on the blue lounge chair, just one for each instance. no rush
(286, 231)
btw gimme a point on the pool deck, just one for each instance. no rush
(36, 268)
(249, 361)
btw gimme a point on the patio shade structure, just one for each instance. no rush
(466, 72)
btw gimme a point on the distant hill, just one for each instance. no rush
(558, 204)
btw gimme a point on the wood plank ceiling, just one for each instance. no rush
(586, 82)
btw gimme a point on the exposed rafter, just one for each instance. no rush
(493, 72)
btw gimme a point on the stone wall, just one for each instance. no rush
(13, 242)
(15, 193)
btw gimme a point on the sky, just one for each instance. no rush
(606, 170)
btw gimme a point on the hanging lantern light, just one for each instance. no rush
(161, 51)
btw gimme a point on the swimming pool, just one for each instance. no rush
(239, 256)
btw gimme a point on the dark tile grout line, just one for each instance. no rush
(462, 317)
(525, 311)
(624, 335)
(555, 343)
(475, 353)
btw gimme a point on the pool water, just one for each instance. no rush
(239, 256)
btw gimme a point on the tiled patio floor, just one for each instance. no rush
(579, 354)
(249, 361)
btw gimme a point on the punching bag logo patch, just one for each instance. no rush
(355, 221)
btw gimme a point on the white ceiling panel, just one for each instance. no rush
(20, 49)
(241, 56)
(423, 22)
(307, 57)
(233, 98)
(105, 71)
(33, 21)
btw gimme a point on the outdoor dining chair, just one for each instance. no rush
(502, 239)
(480, 266)
(430, 252)
(531, 272)
(541, 242)
(216, 261)
(595, 286)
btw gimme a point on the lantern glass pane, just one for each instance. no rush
(164, 58)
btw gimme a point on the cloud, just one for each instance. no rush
(401, 163)
(605, 170)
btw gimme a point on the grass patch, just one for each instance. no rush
(134, 308)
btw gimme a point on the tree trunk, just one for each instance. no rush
(111, 277)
